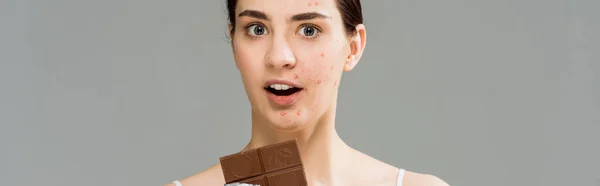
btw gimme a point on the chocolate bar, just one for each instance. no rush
(277, 164)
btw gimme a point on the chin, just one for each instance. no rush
(287, 125)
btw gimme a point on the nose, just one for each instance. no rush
(280, 54)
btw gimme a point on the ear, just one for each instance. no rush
(357, 45)
(231, 37)
(230, 29)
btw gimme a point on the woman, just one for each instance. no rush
(291, 55)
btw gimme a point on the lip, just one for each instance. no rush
(281, 81)
(284, 101)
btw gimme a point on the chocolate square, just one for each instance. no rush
(272, 165)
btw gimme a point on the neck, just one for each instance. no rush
(320, 145)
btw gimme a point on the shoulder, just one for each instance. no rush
(210, 176)
(420, 179)
(370, 171)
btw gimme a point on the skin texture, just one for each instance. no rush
(282, 49)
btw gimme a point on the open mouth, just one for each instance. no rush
(282, 89)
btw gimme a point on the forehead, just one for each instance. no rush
(283, 9)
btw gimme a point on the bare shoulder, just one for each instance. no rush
(210, 176)
(381, 173)
(420, 179)
(370, 171)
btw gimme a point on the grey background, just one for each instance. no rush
(142, 92)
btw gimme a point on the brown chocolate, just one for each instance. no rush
(272, 165)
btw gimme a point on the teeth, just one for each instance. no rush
(280, 86)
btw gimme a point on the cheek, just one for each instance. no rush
(247, 58)
(321, 70)
(324, 64)
(249, 65)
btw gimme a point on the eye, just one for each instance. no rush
(309, 31)
(256, 30)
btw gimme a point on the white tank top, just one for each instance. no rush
(400, 177)
(398, 181)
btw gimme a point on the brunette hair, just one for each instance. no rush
(350, 10)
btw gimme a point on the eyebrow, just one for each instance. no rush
(309, 16)
(255, 14)
(298, 17)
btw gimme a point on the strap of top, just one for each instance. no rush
(177, 183)
(400, 177)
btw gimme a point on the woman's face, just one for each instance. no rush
(291, 54)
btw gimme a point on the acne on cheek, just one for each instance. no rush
(322, 55)
(319, 75)
(313, 108)
(328, 75)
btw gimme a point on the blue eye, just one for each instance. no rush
(308, 31)
(256, 30)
